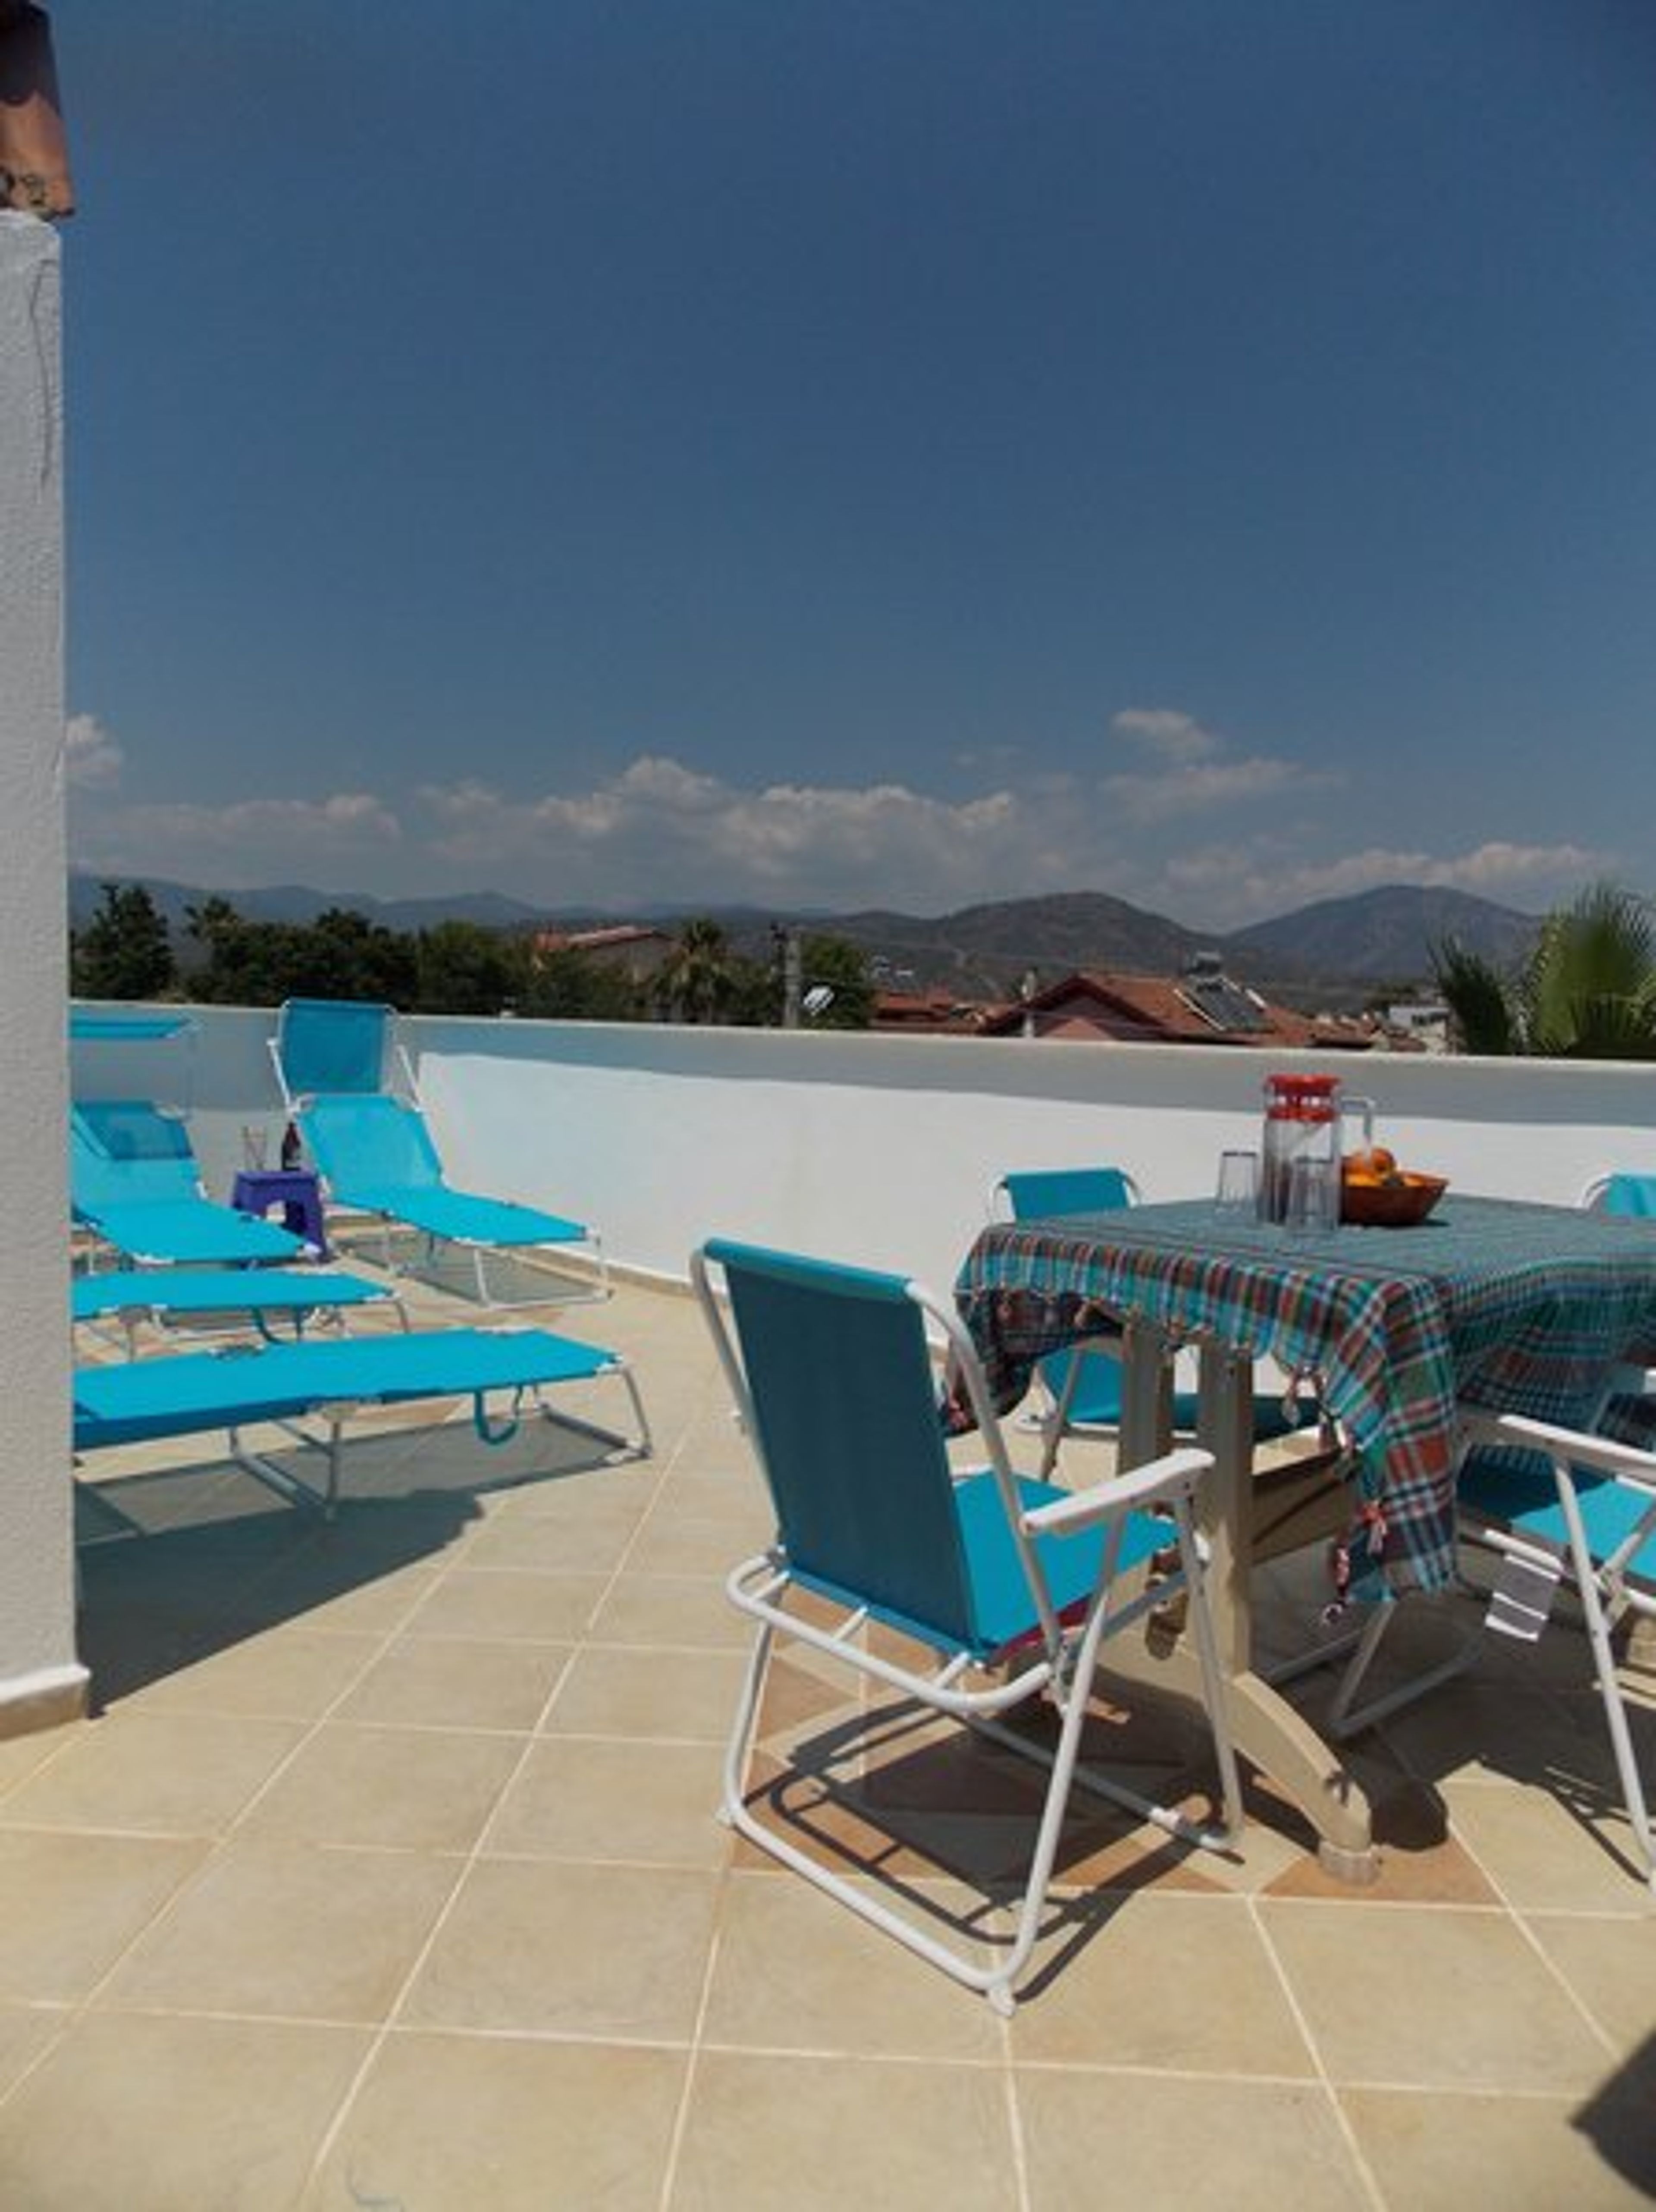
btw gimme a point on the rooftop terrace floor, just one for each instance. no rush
(388, 1875)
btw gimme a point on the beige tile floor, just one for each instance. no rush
(386, 1875)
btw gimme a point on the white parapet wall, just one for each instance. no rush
(40, 1679)
(882, 1150)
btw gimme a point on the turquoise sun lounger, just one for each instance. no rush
(170, 1297)
(283, 1384)
(376, 1156)
(134, 1182)
(338, 1068)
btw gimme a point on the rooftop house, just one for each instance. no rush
(1200, 1005)
(635, 948)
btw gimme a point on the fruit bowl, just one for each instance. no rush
(1402, 1204)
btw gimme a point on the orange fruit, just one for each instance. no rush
(1376, 1165)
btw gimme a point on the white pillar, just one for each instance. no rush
(40, 1681)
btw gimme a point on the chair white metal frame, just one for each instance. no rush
(1589, 1518)
(1011, 1585)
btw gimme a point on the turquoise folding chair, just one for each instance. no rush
(1011, 1585)
(1634, 1194)
(135, 1183)
(1574, 1508)
(375, 1150)
(1079, 1391)
(285, 1384)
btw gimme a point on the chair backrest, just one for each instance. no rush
(125, 1152)
(1032, 1192)
(330, 1047)
(842, 1405)
(1622, 1194)
(371, 1142)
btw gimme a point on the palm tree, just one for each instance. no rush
(1587, 992)
(699, 976)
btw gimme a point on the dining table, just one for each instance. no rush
(1502, 1304)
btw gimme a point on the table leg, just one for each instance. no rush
(1268, 1731)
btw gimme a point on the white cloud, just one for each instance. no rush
(249, 842)
(1209, 837)
(662, 831)
(92, 760)
(1184, 789)
(1167, 733)
(1193, 771)
(1236, 884)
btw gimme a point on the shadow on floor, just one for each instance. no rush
(185, 1562)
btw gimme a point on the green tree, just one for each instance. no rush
(1479, 998)
(1587, 992)
(699, 980)
(462, 968)
(339, 955)
(569, 985)
(836, 963)
(124, 951)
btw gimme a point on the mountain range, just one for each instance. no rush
(1335, 952)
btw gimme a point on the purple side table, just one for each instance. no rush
(295, 1190)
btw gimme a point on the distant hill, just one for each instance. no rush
(1331, 954)
(984, 951)
(1384, 936)
(298, 902)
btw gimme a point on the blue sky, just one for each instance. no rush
(821, 453)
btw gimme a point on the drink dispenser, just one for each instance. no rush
(1302, 1123)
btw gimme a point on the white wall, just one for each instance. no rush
(882, 1150)
(39, 1677)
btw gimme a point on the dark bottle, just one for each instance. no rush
(290, 1149)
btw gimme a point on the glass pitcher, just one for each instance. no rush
(1302, 1115)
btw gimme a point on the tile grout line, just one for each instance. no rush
(465, 1867)
(1341, 2120)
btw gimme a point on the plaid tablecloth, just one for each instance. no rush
(1513, 1307)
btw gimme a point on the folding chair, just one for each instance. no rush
(375, 1154)
(1010, 1584)
(1585, 1511)
(1633, 1194)
(1079, 1391)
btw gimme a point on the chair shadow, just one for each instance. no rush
(1530, 1714)
(918, 1807)
(181, 1564)
(515, 1279)
(1618, 2120)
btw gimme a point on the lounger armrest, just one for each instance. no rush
(1519, 1432)
(1176, 1474)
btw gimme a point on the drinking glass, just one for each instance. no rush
(1237, 1190)
(255, 1144)
(1314, 1197)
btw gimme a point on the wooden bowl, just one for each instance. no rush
(1401, 1205)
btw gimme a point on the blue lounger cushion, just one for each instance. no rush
(184, 1291)
(197, 1234)
(193, 1391)
(134, 1179)
(460, 1218)
(377, 1156)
